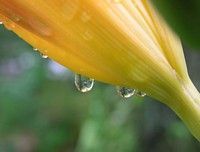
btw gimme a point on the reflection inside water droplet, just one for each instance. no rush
(140, 93)
(83, 84)
(125, 92)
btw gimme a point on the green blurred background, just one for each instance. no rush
(42, 111)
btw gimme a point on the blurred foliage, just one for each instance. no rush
(184, 17)
(41, 111)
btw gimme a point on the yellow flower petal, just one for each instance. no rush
(125, 43)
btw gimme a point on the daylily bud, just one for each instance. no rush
(121, 42)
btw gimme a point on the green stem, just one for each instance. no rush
(186, 104)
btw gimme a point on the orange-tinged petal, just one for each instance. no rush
(124, 43)
(89, 34)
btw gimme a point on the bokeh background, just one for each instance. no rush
(42, 111)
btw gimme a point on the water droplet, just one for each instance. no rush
(140, 93)
(69, 9)
(35, 49)
(43, 56)
(118, 1)
(125, 92)
(1, 22)
(9, 25)
(83, 84)
(85, 16)
(15, 18)
(87, 35)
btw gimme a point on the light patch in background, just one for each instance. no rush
(12, 67)
(55, 71)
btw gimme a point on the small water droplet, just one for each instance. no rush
(140, 93)
(15, 18)
(83, 83)
(9, 25)
(125, 92)
(69, 9)
(43, 56)
(85, 16)
(118, 1)
(35, 49)
(87, 35)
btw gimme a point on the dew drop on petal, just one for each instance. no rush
(87, 35)
(43, 56)
(118, 1)
(83, 83)
(35, 49)
(69, 9)
(15, 18)
(9, 25)
(125, 92)
(140, 93)
(85, 16)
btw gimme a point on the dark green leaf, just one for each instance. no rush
(184, 18)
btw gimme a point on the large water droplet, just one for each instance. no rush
(125, 92)
(83, 84)
(43, 56)
(140, 93)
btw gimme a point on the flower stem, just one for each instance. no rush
(186, 104)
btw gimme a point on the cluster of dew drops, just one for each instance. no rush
(85, 84)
